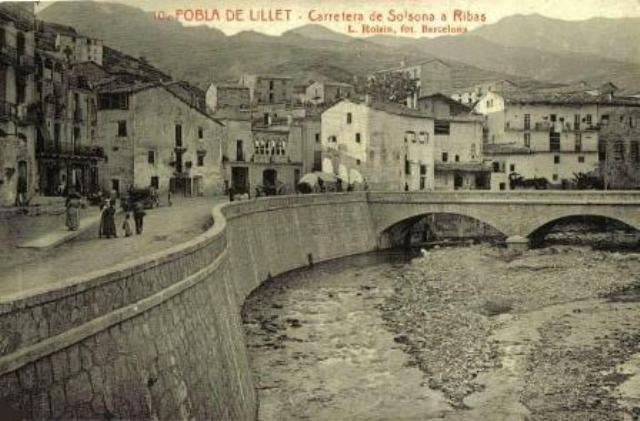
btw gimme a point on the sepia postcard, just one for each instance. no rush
(320, 210)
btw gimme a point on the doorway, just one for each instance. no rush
(240, 179)
(269, 178)
(457, 181)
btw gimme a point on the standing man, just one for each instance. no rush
(138, 216)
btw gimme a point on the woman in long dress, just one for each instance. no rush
(108, 221)
(73, 205)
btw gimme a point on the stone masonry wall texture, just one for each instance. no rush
(161, 337)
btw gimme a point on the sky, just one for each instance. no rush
(493, 10)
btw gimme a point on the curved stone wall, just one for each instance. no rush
(161, 336)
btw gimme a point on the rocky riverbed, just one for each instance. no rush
(459, 334)
(562, 318)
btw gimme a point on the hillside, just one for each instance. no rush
(203, 54)
(616, 39)
(515, 47)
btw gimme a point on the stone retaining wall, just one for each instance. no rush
(161, 336)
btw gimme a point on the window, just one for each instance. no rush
(76, 134)
(442, 127)
(618, 151)
(357, 137)
(21, 90)
(265, 118)
(270, 97)
(496, 166)
(555, 177)
(445, 157)
(317, 137)
(239, 151)
(576, 122)
(552, 117)
(200, 158)
(473, 151)
(200, 133)
(122, 128)
(151, 157)
(271, 85)
(527, 121)
(407, 166)
(349, 118)
(581, 159)
(333, 139)
(357, 162)
(634, 151)
(119, 101)
(512, 167)
(155, 182)
(178, 135)
(556, 159)
(457, 158)
(317, 160)
(503, 186)
(605, 119)
(424, 137)
(554, 142)
(423, 176)
(578, 146)
(527, 140)
(588, 120)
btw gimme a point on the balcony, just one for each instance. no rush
(8, 55)
(7, 111)
(70, 151)
(26, 64)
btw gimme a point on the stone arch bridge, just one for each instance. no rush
(517, 215)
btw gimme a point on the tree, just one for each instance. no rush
(392, 87)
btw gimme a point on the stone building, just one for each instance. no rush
(66, 150)
(75, 47)
(458, 138)
(153, 137)
(620, 140)
(543, 134)
(268, 89)
(431, 76)
(223, 95)
(18, 169)
(327, 92)
(389, 146)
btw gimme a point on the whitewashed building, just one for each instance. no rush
(388, 146)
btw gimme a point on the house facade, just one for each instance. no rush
(386, 146)
(458, 140)
(152, 137)
(18, 166)
(620, 144)
(223, 95)
(327, 92)
(268, 89)
(542, 135)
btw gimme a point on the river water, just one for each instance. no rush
(461, 334)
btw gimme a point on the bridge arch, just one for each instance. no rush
(471, 226)
(546, 222)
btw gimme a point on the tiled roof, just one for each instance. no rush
(565, 96)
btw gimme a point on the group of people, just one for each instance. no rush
(108, 223)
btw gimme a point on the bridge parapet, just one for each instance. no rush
(515, 214)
